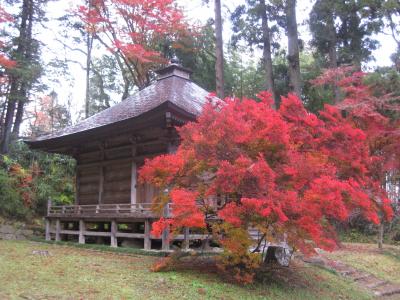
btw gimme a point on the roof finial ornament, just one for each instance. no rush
(173, 69)
(175, 61)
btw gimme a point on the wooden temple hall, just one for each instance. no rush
(109, 148)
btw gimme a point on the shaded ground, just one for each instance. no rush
(72, 273)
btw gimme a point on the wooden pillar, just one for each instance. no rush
(101, 174)
(48, 206)
(81, 230)
(58, 229)
(48, 224)
(133, 171)
(165, 235)
(114, 242)
(147, 240)
(165, 240)
(171, 148)
(75, 154)
(101, 184)
(77, 185)
(186, 241)
(133, 182)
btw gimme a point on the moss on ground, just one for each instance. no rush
(78, 273)
(384, 264)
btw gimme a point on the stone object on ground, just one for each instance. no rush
(41, 252)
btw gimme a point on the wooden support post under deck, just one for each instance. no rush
(114, 242)
(58, 229)
(147, 240)
(48, 236)
(81, 230)
(186, 238)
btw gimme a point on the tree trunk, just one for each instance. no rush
(267, 57)
(11, 104)
(3, 112)
(219, 65)
(25, 84)
(293, 48)
(18, 118)
(20, 53)
(89, 45)
(333, 60)
(380, 235)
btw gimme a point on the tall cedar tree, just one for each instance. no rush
(5, 65)
(322, 26)
(293, 47)
(89, 48)
(219, 51)
(20, 82)
(251, 23)
(347, 28)
(135, 31)
(288, 173)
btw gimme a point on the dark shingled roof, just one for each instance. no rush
(173, 86)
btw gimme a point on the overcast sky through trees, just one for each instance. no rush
(196, 11)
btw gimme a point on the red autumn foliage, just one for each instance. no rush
(288, 173)
(23, 180)
(376, 116)
(134, 30)
(5, 62)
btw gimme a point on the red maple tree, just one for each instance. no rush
(375, 112)
(134, 30)
(290, 174)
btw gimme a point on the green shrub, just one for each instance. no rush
(48, 176)
(11, 203)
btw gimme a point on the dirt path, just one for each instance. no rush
(380, 288)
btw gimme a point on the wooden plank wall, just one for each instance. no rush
(104, 168)
(88, 191)
(144, 191)
(117, 183)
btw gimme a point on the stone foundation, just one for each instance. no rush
(12, 232)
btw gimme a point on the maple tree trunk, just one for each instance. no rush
(267, 57)
(380, 236)
(219, 65)
(293, 48)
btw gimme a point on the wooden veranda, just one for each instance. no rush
(105, 221)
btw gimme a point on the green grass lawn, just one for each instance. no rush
(384, 264)
(74, 273)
